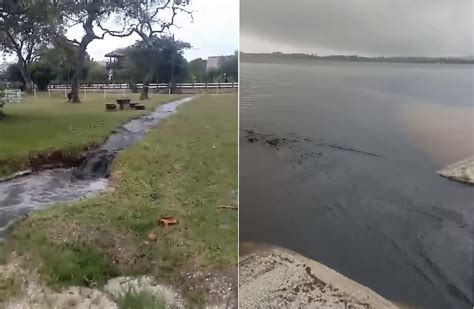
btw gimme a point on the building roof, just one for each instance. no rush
(115, 54)
(214, 62)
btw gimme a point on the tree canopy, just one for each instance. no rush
(149, 19)
(90, 15)
(160, 60)
(197, 68)
(26, 28)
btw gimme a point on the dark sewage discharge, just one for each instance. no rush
(21, 195)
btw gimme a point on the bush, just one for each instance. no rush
(41, 74)
(96, 74)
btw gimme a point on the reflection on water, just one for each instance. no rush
(388, 222)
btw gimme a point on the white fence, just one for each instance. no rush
(11, 96)
(150, 86)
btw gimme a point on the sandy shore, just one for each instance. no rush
(272, 277)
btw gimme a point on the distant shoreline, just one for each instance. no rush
(282, 58)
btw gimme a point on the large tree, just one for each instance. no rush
(61, 59)
(91, 15)
(160, 60)
(148, 19)
(26, 27)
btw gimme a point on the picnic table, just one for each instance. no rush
(123, 102)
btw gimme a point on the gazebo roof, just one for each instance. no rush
(114, 54)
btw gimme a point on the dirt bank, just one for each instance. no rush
(279, 278)
(22, 288)
(45, 160)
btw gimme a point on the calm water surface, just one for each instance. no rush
(387, 222)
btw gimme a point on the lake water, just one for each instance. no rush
(354, 184)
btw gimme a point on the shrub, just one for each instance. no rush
(41, 74)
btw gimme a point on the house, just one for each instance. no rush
(215, 62)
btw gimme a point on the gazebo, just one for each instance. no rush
(114, 63)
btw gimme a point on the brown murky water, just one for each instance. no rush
(444, 133)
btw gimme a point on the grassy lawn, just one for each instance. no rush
(185, 167)
(42, 125)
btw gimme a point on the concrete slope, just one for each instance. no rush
(462, 171)
(279, 278)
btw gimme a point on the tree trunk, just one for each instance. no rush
(146, 83)
(80, 58)
(25, 74)
(29, 86)
(144, 93)
(78, 67)
(73, 96)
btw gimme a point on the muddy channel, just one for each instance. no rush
(33, 191)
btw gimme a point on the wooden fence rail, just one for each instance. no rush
(150, 86)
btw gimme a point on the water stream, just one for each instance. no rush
(21, 195)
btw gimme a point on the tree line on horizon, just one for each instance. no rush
(301, 56)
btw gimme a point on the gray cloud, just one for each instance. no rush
(367, 27)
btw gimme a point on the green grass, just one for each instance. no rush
(76, 265)
(41, 125)
(9, 287)
(185, 167)
(3, 253)
(140, 300)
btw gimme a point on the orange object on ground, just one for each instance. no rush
(167, 220)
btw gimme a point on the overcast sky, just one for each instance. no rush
(364, 27)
